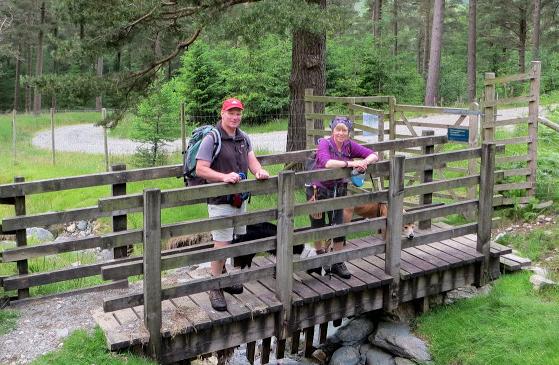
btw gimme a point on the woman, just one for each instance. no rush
(337, 151)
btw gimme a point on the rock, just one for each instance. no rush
(39, 234)
(355, 331)
(320, 356)
(105, 255)
(71, 228)
(62, 238)
(539, 282)
(548, 219)
(62, 332)
(82, 225)
(541, 217)
(509, 229)
(346, 356)
(539, 271)
(396, 338)
(375, 356)
(403, 361)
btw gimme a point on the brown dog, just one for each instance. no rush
(374, 210)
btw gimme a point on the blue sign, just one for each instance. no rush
(458, 134)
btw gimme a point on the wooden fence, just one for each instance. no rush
(152, 201)
(121, 237)
(515, 164)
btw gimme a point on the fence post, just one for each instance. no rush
(284, 248)
(394, 231)
(426, 176)
(105, 139)
(52, 136)
(14, 134)
(309, 122)
(392, 122)
(183, 128)
(152, 269)
(120, 222)
(486, 182)
(21, 238)
(533, 111)
(473, 126)
(488, 134)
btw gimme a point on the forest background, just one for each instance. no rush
(132, 57)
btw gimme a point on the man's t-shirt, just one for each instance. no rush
(207, 146)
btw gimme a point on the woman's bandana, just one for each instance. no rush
(341, 120)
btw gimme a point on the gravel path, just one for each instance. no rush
(88, 138)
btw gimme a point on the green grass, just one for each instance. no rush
(512, 325)
(8, 320)
(81, 348)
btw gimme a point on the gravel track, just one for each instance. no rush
(88, 138)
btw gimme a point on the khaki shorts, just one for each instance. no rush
(226, 210)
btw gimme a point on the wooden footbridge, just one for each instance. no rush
(280, 299)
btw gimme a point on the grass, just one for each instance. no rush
(512, 325)
(8, 320)
(81, 348)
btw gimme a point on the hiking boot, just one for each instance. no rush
(233, 289)
(341, 270)
(217, 299)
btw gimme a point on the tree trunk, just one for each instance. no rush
(39, 62)
(472, 38)
(395, 27)
(16, 82)
(426, 36)
(308, 70)
(522, 36)
(431, 89)
(377, 17)
(536, 30)
(99, 69)
(29, 73)
(118, 59)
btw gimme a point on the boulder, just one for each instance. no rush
(39, 234)
(355, 331)
(539, 282)
(403, 361)
(82, 225)
(375, 356)
(346, 355)
(396, 338)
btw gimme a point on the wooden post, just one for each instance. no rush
(21, 239)
(105, 139)
(394, 230)
(266, 347)
(533, 111)
(489, 110)
(52, 136)
(120, 222)
(487, 180)
(473, 126)
(426, 176)
(309, 122)
(392, 122)
(284, 249)
(295, 338)
(14, 135)
(309, 336)
(152, 269)
(183, 128)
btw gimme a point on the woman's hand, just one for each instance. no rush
(360, 165)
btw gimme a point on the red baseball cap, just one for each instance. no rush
(232, 103)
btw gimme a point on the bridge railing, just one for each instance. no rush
(16, 194)
(285, 185)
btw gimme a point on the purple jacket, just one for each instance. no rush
(327, 150)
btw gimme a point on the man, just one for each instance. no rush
(231, 165)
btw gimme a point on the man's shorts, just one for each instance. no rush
(226, 210)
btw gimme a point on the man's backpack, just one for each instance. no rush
(189, 156)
